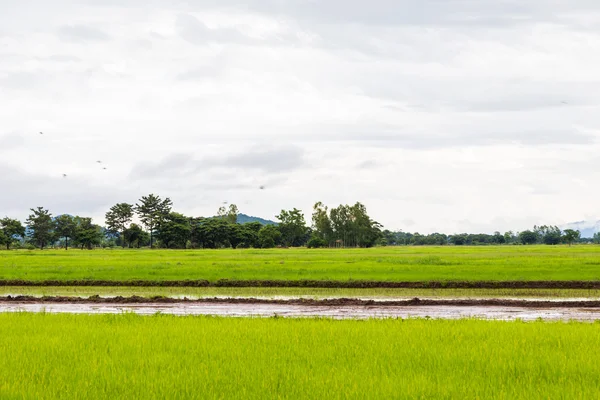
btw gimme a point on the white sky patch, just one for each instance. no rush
(473, 116)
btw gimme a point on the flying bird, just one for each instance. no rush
(262, 187)
(104, 168)
(99, 162)
(64, 175)
(41, 133)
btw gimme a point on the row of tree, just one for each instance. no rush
(160, 226)
(550, 235)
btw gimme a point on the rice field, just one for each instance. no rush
(132, 357)
(495, 263)
(295, 292)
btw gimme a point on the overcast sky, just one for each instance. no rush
(438, 115)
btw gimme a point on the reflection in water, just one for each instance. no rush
(337, 312)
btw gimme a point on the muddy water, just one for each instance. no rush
(337, 312)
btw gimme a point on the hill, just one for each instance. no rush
(244, 219)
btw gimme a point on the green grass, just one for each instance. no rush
(314, 293)
(496, 263)
(47, 356)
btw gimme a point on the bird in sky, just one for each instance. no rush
(262, 187)
(41, 133)
(64, 175)
(104, 168)
(99, 162)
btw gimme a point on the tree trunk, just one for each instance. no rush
(66, 243)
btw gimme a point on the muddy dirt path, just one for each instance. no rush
(330, 311)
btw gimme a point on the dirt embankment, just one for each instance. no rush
(318, 284)
(303, 302)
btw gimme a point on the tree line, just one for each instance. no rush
(160, 227)
(544, 234)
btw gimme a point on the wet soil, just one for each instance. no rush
(326, 311)
(319, 284)
(336, 302)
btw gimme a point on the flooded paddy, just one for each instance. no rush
(328, 311)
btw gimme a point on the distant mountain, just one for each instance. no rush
(244, 219)
(587, 228)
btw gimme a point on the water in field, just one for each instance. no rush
(337, 312)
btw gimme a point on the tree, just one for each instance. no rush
(528, 237)
(86, 233)
(322, 224)
(41, 227)
(269, 236)
(117, 219)
(229, 214)
(174, 231)
(65, 226)
(597, 238)
(152, 210)
(571, 236)
(292, 227)
(11, 229)
(135, 235)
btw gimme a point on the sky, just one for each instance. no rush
(438, 115)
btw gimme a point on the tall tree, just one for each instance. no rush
(117, 219)
(229, 214)
(41, 226)
(11, 229)
(292, 226)
(152, 210)
(87, 234)
(322, 224)
(65, 226)
(571, 236)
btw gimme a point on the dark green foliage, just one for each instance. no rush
(528, 237)
(269, 236)
(152, 210)
(292, 227)
(571, 236)
(65, 227)
(174, 231)
(41, 227)
(345, 226)
(135, 236)
(316, 242)
(87, 235)
(117, 219)
(10, 231)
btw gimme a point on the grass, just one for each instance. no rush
(131, 357)
(497, 263)
(313, 293)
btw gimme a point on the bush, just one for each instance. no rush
(316, 243)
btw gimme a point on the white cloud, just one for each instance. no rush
(451, 115)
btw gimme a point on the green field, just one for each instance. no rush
(496, 263)
(295, 292)
(128, 356)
